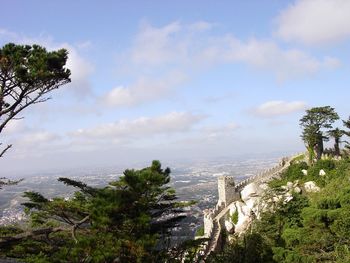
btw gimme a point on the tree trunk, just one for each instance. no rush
(336, 147)
(311, 152)
(319, 146)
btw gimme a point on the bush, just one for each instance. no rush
(234, 217)
(292, 173)
(200, 231)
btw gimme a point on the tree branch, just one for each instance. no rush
(76, 225)
(5, 150)
(4, 241)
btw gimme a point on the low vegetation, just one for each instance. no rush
(313, 227)
(130, 220)
(234, 217)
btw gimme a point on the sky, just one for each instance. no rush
(176, 80)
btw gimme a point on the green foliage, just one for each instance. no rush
(4, 181)
(309, 228)
(252, 248)
(28, 73)
(292, 173)
(200, 232)
(313, 122)
(130, 220)
(299, 158)
(33, 64)
(347, 125)
(234, 217)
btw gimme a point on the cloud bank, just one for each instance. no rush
(315, 22)
(278, 108)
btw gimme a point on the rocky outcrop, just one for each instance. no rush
(311, 187)
(244, 200)
(255, 199)
(322, 172)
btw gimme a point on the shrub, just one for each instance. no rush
(234, 217)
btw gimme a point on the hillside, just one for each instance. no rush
(311, 227)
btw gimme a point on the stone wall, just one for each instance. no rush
(229, 193)
(227, 190)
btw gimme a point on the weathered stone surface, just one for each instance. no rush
(311, 187)
(244, 217)
(289, 185)
(208, 222)
(287, 197)
(284, 187)
(230, 227)
(264, 186)
(297, 189)
(295, 183)
(252, 202)
(250, 190)
(248, 203)
(226, 190)
(232, 208)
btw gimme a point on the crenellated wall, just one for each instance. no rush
(229, 192)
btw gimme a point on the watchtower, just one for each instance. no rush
(227, 191)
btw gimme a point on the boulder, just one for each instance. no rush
(322, 172)
(295, 183)
(289, 185)
(287, 197)
(311, 187)
(232, 208)
(230, 227)
(244, 218)
(297, 189)
(284, 187)
(250, 190)
(264, 186)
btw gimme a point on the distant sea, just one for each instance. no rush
(192, 181)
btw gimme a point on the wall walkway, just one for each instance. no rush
(216, 215)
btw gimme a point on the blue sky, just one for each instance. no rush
(175, 80)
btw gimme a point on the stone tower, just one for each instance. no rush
(227, 191)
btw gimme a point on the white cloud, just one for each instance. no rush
(267, 55)
(155, 46)
(201, 26)
(192, 48)
(37, 138)
(142, 127)
(80, 68)
(278, 107)
(14, 127)
(143, 90)
(315, 21)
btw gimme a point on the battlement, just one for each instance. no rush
(227, 190)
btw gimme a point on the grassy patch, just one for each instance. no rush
(234, 217)
(200, 231)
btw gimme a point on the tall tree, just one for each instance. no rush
(27, 75)
(313, 124)
(347, 132)
(128, 221)
(336, 134)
